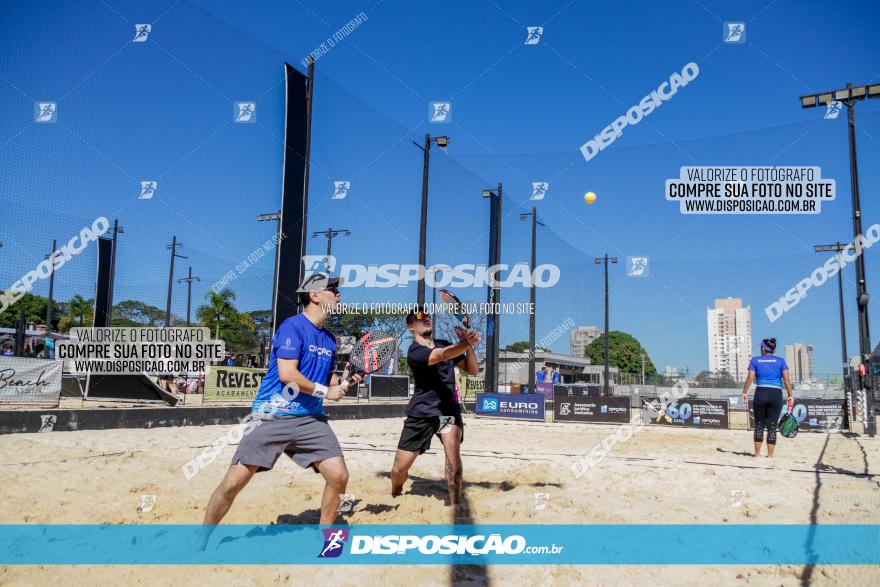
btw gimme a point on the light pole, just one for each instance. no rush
(330, 233)
(443, 143)
(51, 286)
(849, 96)
(599, 261)
(535, 222)
(189, 289)
(117, 230)
(494, 293)
(173, 247)
(276, 216)
(837, 247)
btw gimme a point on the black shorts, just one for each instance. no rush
(417, 432)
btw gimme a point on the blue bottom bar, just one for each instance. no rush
(715, 544)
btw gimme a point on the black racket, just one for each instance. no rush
(458, 310)
(371, 353)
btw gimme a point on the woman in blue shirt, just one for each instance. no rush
(769, 372)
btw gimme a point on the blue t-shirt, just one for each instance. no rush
(540, 376)
(315, 349)
(557, 379)
(768, 370)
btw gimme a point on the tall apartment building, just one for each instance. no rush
(799, 357)
(730, 337)
(581, 337)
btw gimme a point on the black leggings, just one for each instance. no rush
(767, 406)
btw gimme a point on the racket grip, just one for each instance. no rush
(350, 379)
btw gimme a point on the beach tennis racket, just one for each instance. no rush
(788, 425)
(371, 353)
(458, 310)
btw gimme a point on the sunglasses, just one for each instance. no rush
(334, 290)
(421, 316)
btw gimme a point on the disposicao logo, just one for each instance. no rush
(334, 540)
(656, 98)
(444, 545)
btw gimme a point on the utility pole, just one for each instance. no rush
(329, 234)
(189, 284)
(51, 285)
(173, 247)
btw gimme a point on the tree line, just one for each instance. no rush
(241, 331)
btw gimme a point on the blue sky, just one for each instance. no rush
(162, 110)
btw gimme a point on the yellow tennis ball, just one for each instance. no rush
(589, 197)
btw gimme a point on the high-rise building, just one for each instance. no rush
(799, 357)
(730, 337)
(581, 337)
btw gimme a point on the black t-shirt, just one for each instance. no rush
(434, 385)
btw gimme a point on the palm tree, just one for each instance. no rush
(218, 311)
(79, 307)
(246, 321)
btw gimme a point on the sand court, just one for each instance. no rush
(515, 473)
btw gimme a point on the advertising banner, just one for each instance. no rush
(506, 405)
(473, 385)
(29, 381)
(588, 409)
(232, 384)
(581, 390)
(813, 415)
(699, 413)
(545, 389)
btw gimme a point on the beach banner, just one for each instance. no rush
(813, 415)
(589, 409)
(30, 381)
(232, 384)
(506, 405)
(699, 413)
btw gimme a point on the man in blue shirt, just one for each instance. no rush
(287, 414)
(541, 375)
(556, 377)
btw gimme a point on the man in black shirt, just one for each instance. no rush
(433, 408)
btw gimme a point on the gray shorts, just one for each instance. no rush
(305, 439)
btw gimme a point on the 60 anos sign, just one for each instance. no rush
(700, 413)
